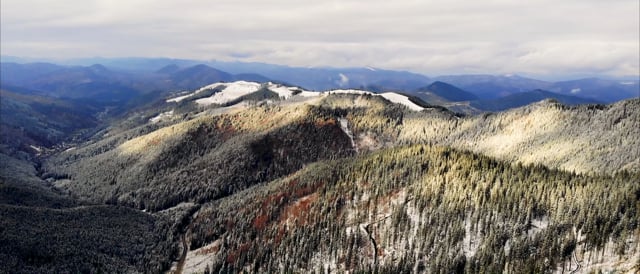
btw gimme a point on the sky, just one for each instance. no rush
(533, 37)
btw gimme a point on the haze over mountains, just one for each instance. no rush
(162, 165)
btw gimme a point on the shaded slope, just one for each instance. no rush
(85, 239)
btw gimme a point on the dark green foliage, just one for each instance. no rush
(82, 240)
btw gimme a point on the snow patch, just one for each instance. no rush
(305, 93)
(401, 99)
(37, 149)
(232, 91)
(628, 83)
(344, 125)
(161, 117)
(235, 90)
(370, 68)
(391, 96)
(282, 91)
(576, 90)
(182, 97)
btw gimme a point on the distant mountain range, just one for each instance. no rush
(123, 79)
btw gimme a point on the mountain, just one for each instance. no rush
(599, 89)
(168, 69)
(326, 78)
(443, 92)
(332, 78)
(489, 87)
(525, 98)
(199, 75)
(494, 86)
(95, 82)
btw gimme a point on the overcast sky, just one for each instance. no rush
(547, 37)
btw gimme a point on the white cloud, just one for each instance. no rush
(433, 37)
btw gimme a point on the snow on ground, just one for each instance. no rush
(282, 91)
(305, 93)
(161, 116)
(344, 125)
(350, 91)
(235, 90)
(36, 148)
(231, 92)
(180, 98)
(401, 99)
(391, 96)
